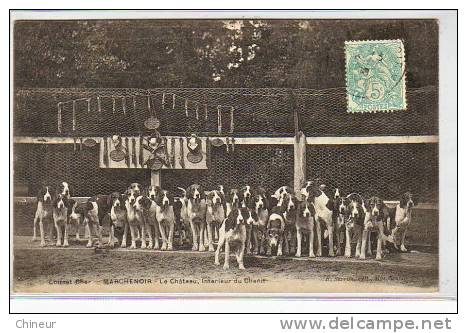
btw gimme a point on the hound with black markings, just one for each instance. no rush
(260, 216)
(196, 210)
(232, 233)
(305, 222)
(166, 218)
(403, 218)
(290, 216)
(354, 224)
(233, 200)
(376, 215)
(60, 216)
(97, 208)
(44, 213)
(136, 207)
(153, 193)
(275, 229)
(339, 215)
(215, 215)
(323, 206)
(118, 216)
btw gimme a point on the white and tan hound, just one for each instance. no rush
(196, 211)
(166, 218)
(232, 233)
(403, 218)
(44, 213)
(215, 215)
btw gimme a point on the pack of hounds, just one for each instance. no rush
(246, 220)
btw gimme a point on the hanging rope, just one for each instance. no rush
(59, 118)
(219, 120)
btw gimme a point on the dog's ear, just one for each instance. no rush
(146, 202)
(109, 200)
(366, 203)
(403, 201)
(55, 202)
(330, 204)
(89, 206)
(40, 196)
(70, 203)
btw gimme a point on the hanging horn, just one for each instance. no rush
(124, 105)
(99, 109)
(149, 103)
(197, 111)
(113, 105)
(219, 120)
(186, 107)
(74, 116)
(173, 102)
(163, 100)
(232, 119)
(89, 105)
(134, 103)
(205, 112)
(59, 117)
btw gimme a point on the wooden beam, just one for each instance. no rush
(365, 140)
(324, 140)
(156, 178)
(299, 162)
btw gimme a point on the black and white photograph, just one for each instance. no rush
(230, 155)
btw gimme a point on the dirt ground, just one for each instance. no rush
(77, 269)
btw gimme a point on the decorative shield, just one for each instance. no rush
(89, 142)
(194, 157)
(217, 142)
(152, 123)
(117, 155)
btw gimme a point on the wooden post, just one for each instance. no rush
(155, 178)
(299, 162)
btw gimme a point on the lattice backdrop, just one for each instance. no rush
(258, 112)
(385, 170)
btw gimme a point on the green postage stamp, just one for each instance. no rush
(375, 75)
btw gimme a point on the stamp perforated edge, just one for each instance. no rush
(404, 70)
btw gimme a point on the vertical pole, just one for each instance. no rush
(155, 178)
(299, 162)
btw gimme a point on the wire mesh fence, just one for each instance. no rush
(257, 112)
(385, 170)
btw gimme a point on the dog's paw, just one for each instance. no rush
(43, 244)
(164, 246)
(89, 244)
(58, 244)
(143, 245)
(216, 262)
(378, 258)
(194, 247)
(156, 246)
(65, 244)
(33, 239)
(240, 266)
(133, 246)
(202, 248)
(211, 248)
(226, 266)
(170, 247)
(298, 254)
